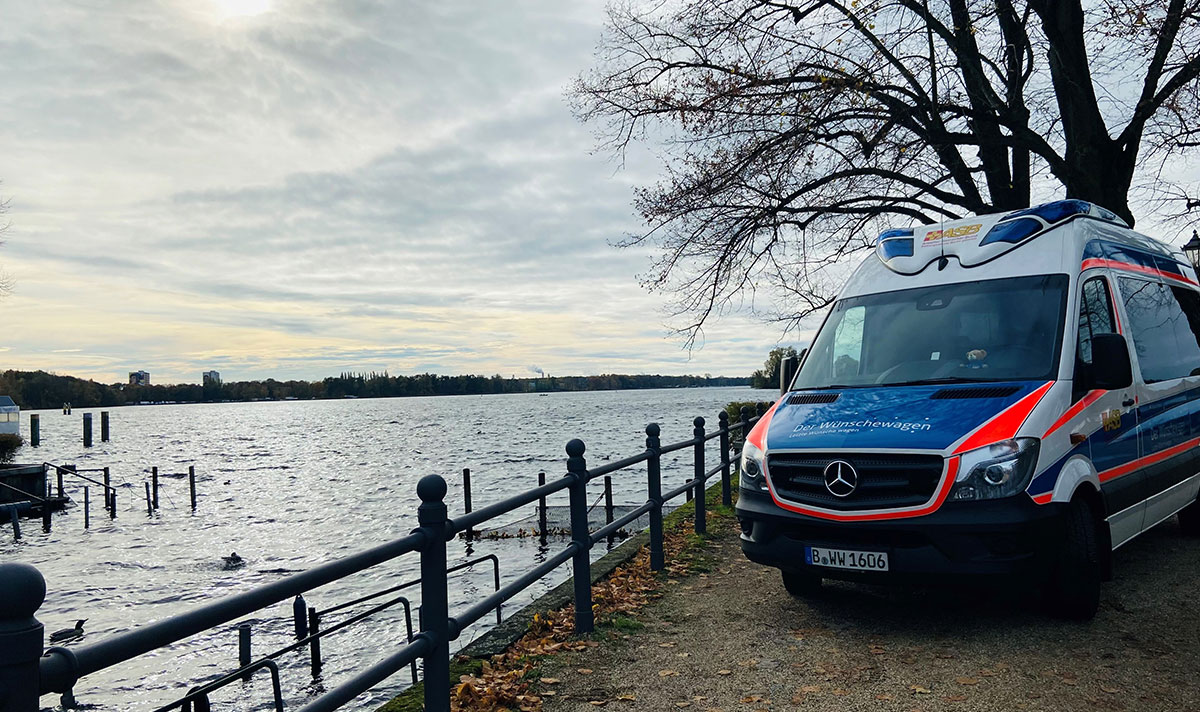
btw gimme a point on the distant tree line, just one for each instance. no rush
(38, 389)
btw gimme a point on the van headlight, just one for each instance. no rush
(998, 470)
(752, 468)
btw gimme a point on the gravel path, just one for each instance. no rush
(732, 639)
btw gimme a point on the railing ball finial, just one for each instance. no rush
(575, 448)
(723, 417)
(652, 430)
(22, 590)
(698, 422)
(431, 488)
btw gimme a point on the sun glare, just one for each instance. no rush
(227, 9)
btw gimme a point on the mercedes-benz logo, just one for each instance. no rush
(840, 478)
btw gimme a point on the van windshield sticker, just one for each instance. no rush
(954, 234)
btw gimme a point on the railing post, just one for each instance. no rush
(726, 495)
(154, 485)
(654, 488)
(22, 590)
(700, 525)
(581, 538)
(87, 508)
(314, 646)
(435, 622)
(745, 420)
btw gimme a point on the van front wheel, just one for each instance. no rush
(1073, 592)
(801, 584)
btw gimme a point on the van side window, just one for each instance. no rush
(1164, 333)
(1095, 317)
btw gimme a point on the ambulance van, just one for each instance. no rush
(1000, 399)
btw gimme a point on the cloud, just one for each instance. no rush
(323, 187)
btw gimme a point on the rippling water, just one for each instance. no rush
(288, 485)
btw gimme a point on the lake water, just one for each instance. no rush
(288, 485)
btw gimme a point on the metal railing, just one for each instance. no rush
(26, 673)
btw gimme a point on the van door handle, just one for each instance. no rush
(1127, 402)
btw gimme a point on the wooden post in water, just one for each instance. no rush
(87, 429)
(192, 484)
(608, 504)
(112, 504)
(467, 499)
(154, 487)
(298, 619)
(149, 508)
(16, 522)
(87, 508)
(107, 490)
(104, 426)
(46, 523)
(244, 647)
(542, 508)
(35, 430)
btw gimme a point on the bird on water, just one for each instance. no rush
(233, 561)
(62, 636)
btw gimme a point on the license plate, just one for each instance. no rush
(845, 559)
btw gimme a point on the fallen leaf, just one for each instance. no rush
(886, 698)
(839, 691)
(955, 698)
(597, 703)
(548, 680)
(811, 688)
(724, 672)
(967, 680)
(1109, 690)
(683, 704)
(919, 689)
(667, 673)
(584, 671)
(666, 645)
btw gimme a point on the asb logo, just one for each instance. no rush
(962, 231)
(840, 478)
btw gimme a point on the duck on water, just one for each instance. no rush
(67, 634)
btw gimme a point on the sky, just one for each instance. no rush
(293, 189)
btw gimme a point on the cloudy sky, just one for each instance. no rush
(294, 188)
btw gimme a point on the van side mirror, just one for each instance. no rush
(1111, 369)
(788, 366)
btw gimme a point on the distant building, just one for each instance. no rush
(212, 378)
(139, 378)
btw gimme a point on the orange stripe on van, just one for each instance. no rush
(1130, 267)
(1075, 410)
(1006, 423)
(758, 434)
(1115, 472)
(948, 477)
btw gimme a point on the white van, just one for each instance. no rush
(1001, 397)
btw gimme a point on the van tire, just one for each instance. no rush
(801, 584)
(1189, 519)
(1073, 592)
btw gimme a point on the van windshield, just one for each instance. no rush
(994, 330)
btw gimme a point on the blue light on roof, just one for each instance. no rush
(1056, 211)
(896, 232)
(1011, 231)
(895, 247)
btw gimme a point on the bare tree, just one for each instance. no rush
(792, 132)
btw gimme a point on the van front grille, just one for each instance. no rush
(885, 481)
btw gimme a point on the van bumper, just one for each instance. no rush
(1011, 540)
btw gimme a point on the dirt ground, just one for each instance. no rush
(733, 639)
